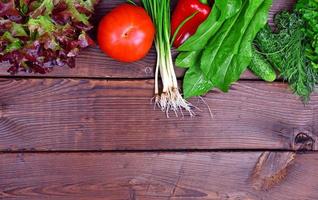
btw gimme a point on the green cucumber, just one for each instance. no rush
(261, 67)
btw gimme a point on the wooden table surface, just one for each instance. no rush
(91, 133)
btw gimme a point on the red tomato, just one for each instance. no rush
(126, 33)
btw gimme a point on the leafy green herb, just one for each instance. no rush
(284, 49)
(308, 10)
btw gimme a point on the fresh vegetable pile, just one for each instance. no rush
(36, 35)
(217, 41)
(223, 47)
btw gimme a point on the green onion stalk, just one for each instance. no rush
(170, 98)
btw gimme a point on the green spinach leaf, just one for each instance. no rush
(229, 53)
(195, 83)
(187, 59)
(223, 10)
(218, 54)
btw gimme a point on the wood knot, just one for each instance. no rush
(148, 70)
(304, 142)
(271, 169)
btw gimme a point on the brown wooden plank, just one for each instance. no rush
(162, 176)
(93, 63)
(74, 114)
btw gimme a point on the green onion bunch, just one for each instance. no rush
(170, 98)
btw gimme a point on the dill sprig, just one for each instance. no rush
(285, 48)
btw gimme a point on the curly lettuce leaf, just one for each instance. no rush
(36, 35)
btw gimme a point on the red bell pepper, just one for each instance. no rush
(197, 11)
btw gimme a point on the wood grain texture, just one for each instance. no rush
(151, 176)
(74, 114)
(93, 63)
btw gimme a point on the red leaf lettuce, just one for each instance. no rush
(36, 35)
